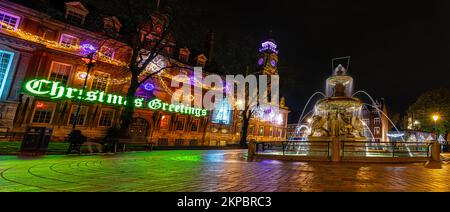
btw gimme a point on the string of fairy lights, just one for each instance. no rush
(157, 64)
(74, 49)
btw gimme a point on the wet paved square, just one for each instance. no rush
(214, 170)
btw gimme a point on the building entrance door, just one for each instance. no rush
(139, 127)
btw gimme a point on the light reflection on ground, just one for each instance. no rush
(215, 170)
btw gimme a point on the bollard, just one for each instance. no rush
(336, 150)
(435, 151)
(251, 150)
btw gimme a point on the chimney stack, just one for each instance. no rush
(210, 46)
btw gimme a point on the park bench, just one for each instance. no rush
(135, 141)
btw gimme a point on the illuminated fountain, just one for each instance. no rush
(338, 115)
(334, 127)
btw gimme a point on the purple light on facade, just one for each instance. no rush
(149, 86)
(88, 48)
(260, 61)
(82, 75)
(273, 63)
(269, 45)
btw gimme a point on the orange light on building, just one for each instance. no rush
(40, 105)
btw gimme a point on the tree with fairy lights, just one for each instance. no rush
(147, 30)
(433, 103)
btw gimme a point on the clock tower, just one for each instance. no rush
(268, 57)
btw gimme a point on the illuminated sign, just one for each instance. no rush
(55, 90)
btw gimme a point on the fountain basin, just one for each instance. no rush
(349, 104)
(342, 79)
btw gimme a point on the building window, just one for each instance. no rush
(222, 114)
(184, 58)
(9, 21)
(74, 18)
(106, 118)
(163, 142)
(68, 40)
(180, 124)
(81, 116)
(75, 12)
(376, 121)
(100, 81)
(376, 130)
(194, 126)
(261, 131)
(280, 133)
(271, 132)
(251, 130)
(6, 59)
(366, 121)
(112, 23)
(43, 113)
(107, 52)
(164, 125)
(179, 142)
(193, 142)
(60, 72)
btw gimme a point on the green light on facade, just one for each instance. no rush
(54, 90)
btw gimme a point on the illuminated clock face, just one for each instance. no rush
(260, 61)
(273, 63)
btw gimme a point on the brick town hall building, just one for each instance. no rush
(37, 45)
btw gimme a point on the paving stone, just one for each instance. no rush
(210, 171)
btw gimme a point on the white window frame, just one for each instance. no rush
(8, 70)
(377, 130)
(51, 118)
(65, 64)
(70, 36)
(103, 74)
(14, 16)
(366, 121)
(376, 121)
(100, 117)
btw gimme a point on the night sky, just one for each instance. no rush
(398, 50)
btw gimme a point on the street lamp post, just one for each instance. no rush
(75, 138)
(90, 64)
(435, 118)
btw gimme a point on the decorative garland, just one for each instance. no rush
(75, 49)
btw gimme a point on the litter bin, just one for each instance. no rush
(36, 139)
